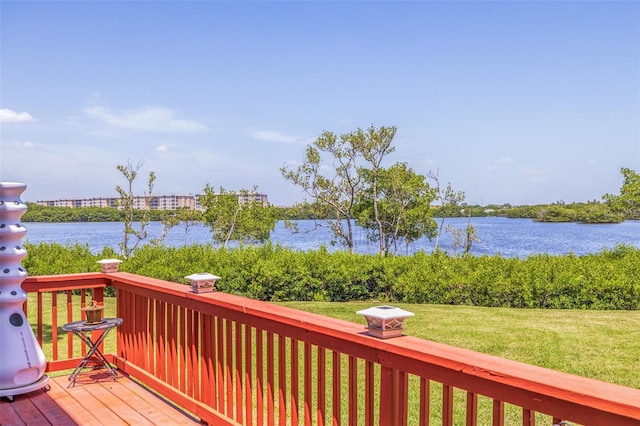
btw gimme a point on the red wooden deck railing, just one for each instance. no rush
(233, 360)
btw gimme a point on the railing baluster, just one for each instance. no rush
(69, 319)
(129, 325)
(321, 386)
(403, 396)
(239, 387)
(498, 413)
(185, 342)
(248, 360)
(98, 296)
(447, 405)
(295, 391)
(40, 325)
(270, 380)
(172, 335)
(369, 387)
(282, 382)
(139, 343)
(308, 393)
(353, 391)
(161, 361)
(228, 375)
(83, 316)
(140, 330)
(54, 325)
(133, 336)
(194, 346)
(123, 333)
(472, 409)
(151, 341)
(220, 363)
(425, 401)
(387, 404)
(259, 377)
(182, 321)
(528, 417)
(207, 381)
(336, 388)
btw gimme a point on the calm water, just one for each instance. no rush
(498, 235)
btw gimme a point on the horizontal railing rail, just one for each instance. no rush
(233, 360)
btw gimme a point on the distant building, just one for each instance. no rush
(173, 202)
(259, 198)
(85, 202)
(159, 202)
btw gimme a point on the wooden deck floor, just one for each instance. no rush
(91, 402)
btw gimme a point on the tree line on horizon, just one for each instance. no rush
(347, 184)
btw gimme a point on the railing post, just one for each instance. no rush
(393, 397)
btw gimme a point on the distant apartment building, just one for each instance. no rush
(159, 202)
(84, 202)
(258, 198)
(172, 202)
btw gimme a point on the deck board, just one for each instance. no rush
(91, 402)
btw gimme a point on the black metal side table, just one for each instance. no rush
(82, 329)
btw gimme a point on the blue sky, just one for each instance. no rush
(512, 102)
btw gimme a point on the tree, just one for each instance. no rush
(127, 203)
(395, 206)
(470, 236)
(375, 145)
(334, 188)
(628, 202)
(450, 202)
(185, 216)
(244, 219)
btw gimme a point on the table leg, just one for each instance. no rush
(94, 351)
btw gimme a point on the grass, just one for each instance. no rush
(603, 345)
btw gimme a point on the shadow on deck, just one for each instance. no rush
(94, 400)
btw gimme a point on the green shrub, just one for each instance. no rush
(606, 280)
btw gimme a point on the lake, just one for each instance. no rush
(498, 235)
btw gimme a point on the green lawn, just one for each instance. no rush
(603, 345)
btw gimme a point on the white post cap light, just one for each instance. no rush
(202, 282)
(109, 265)
(385, 321)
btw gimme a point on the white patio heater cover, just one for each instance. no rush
(22, 362)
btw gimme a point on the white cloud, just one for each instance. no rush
(499, 162)
(537, 175)
(162, 148)
(531, 170)
(428, 162)
(271, 136)
(10, 116)
(151, 119)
